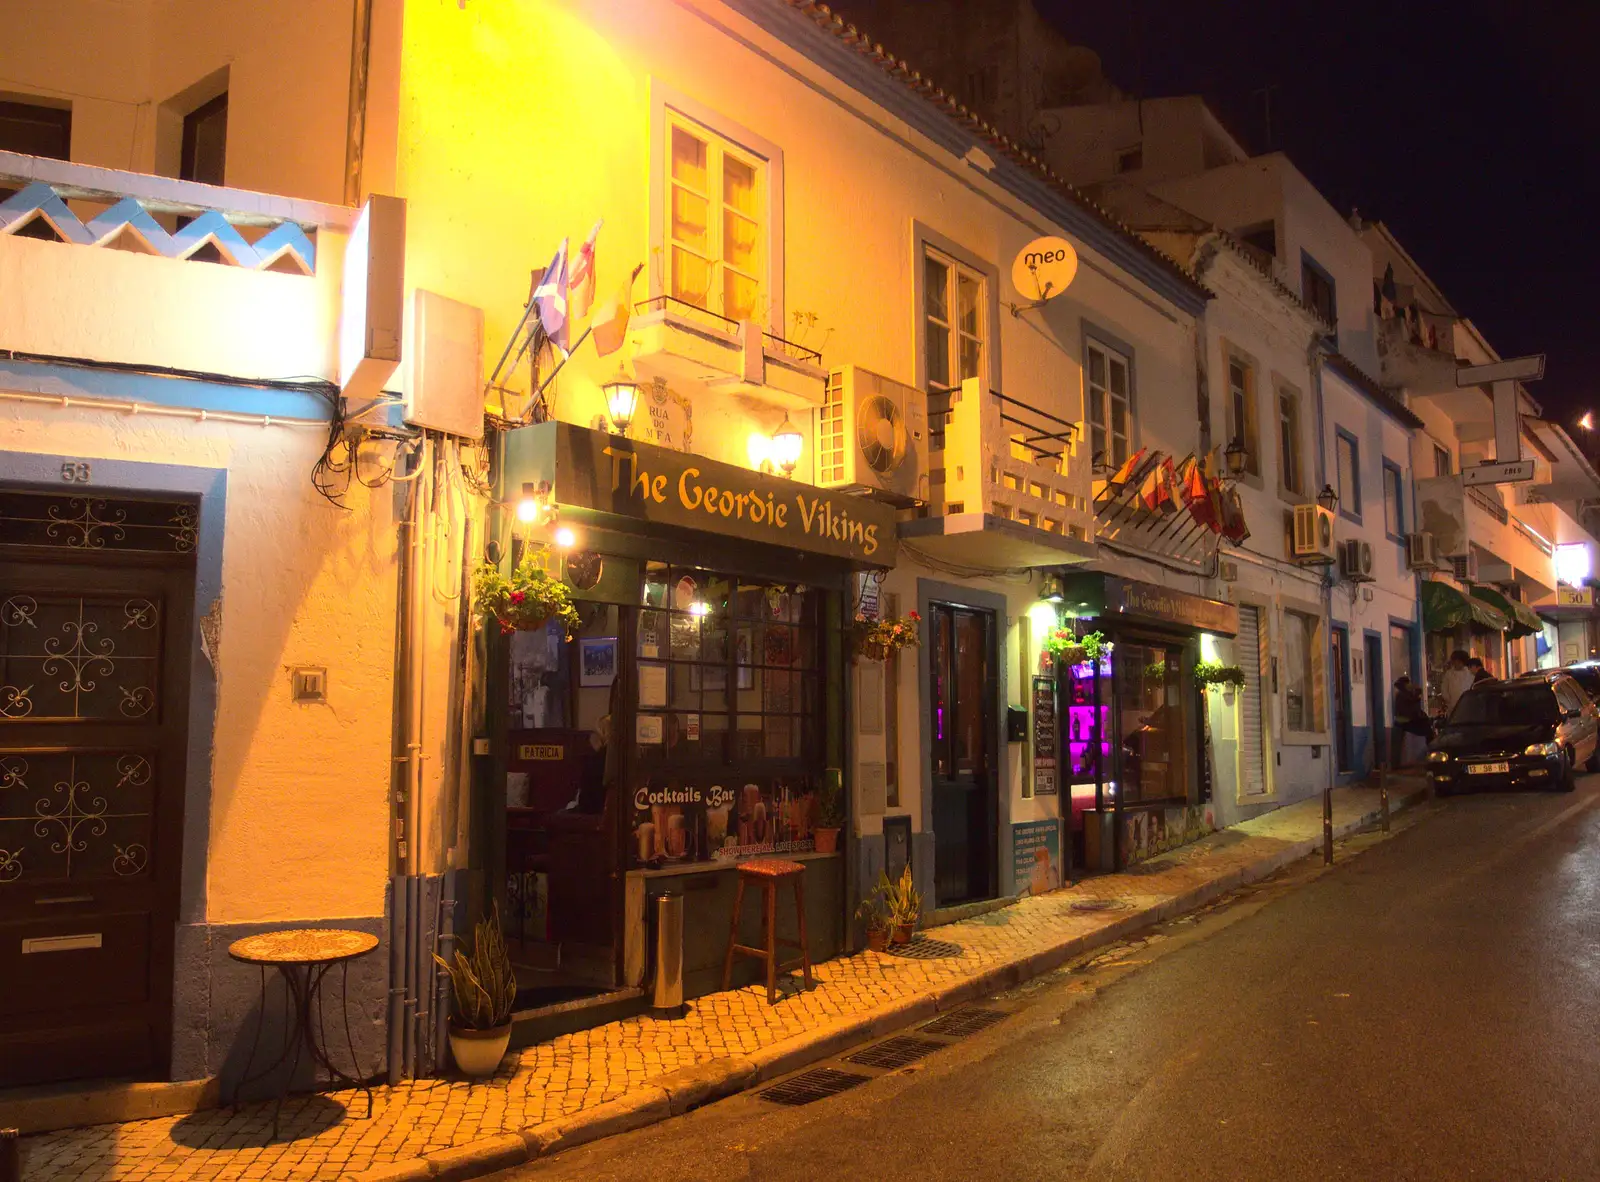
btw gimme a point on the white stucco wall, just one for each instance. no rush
(299, 800)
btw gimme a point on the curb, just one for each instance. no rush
(676, 1092)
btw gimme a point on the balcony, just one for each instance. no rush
(141, 272)
(1474, 521)
(1417, 352)
(1007, 489)
(691, 348)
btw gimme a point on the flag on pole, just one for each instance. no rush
(580, 281)
(550, 298)
(1125, 473)
(610, 327)
(1168, 502)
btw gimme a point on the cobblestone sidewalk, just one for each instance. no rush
(319, 1140)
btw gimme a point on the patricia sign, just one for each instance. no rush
(639, 481)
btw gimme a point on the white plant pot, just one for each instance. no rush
(478, 1052)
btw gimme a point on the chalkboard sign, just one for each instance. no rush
(1044, 736)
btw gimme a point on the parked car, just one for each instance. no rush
(1532, 732)
(1586, 674)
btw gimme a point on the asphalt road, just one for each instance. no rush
(1428, 1008)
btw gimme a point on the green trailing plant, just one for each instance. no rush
(1065, 646)
(873, 915)
(1095, 646)
(900, 898)
(484, 984)
(528, 600)
(830, 807)
(1216, 673)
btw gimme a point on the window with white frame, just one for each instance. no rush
(1242, 412)
(1106, 397)
(954, 332)
(1442, 465)
(1394, 517)
(716, 222)
(1347, 471)
(1290, 467)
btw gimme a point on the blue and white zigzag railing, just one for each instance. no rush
(128, 225)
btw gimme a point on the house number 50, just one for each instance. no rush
(75, 473)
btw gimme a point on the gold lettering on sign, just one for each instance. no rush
(542, 751)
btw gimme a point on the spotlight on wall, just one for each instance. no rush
(528, 505)
(565, 538)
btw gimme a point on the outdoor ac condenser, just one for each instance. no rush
(872, 436)
(1421, 553)
(1312, 536)
(1355, 560)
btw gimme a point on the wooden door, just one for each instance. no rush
(93, 721)
(965, 768)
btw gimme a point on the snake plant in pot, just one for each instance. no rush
(483, 988)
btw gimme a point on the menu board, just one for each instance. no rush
(1044, 736)
(1036, 856)
(680, 819)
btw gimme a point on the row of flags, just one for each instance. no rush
(1164, 488)
(566, 294)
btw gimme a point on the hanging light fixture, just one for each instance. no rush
(1236, 456)
(786, 444)
(1327, 498)
(622, 401)
(1052, 590)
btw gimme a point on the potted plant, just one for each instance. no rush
(830, 818)
(876, 919)
(903, 902)
(1229, 677)
(484, 988)
(527, 601)
(1062, 645)
(874, 640)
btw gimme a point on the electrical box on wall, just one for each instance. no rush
(309, 683)
(1016, 724)
(445, 390)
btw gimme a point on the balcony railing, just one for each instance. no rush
(1039, 436)
(716, 320)
(1490, 504)
(1542, 544)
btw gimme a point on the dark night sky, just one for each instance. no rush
(1471, 129)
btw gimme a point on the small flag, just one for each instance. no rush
(1168, 504)
(610, 328)
(1125, 473)
(1150, 488)
(580, 281)
(550, 298)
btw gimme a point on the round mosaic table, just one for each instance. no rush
(303, 957)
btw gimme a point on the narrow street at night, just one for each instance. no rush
(1426, 1009)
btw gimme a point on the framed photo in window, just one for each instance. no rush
(597, 661)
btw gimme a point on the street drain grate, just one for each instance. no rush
(963, 1022)
(1098, 905)
(896, 1052)
(813, 1085)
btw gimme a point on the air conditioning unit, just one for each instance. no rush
(1312, 538)
(1355, 560)
(1421, 553)
(1464, 567)
(872, 437)
(1229, 571)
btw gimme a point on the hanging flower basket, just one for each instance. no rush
(525, 602)
(1209, 673)
(1063, 646)
(874, 640)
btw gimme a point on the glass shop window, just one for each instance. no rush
(1155, 725)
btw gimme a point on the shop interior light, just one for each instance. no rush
(622, 402)
(1327, 498)
(700, 608)
(528, 505)
(565, 538)
(1573, 563)
(786, 444)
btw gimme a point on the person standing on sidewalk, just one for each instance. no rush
(1457, 680)
(1410, 718)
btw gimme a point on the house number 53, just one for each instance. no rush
(75, 472)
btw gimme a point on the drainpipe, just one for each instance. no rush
(1327, 585)
(401, 913)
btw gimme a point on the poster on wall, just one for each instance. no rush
(1036, 856)
(1044, 736)
(683, 820)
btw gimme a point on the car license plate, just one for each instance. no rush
(1488, 769)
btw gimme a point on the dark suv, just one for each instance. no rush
(1529, 733)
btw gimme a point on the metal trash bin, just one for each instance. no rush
(667, 984)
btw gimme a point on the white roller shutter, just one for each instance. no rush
(1252, 749)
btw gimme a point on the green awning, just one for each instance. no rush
(1445, 608)
(1524, 620)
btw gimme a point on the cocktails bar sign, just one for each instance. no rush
(629, 479)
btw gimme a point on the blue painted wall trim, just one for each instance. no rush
(210, 485)
(34, 377)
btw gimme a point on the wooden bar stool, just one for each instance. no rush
(769, 872)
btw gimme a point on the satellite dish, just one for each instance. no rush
(1044, 268)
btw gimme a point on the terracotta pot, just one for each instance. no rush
(902, 932)
(478, 1052)
(827, 840)
(877, 939)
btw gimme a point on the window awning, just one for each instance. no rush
(1524, 621)
(1444, 608)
